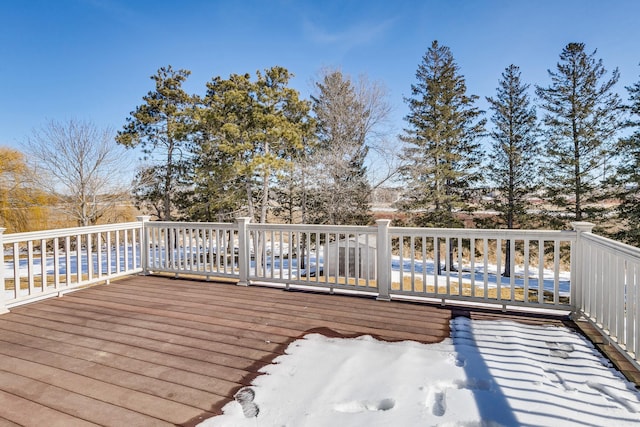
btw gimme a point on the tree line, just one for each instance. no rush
(250, 145)
(573, 158)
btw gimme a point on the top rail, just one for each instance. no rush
(617, 248)
(565, 235)
(65, 232)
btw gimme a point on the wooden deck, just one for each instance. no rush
(146, 351)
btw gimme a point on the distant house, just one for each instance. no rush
(348, 257)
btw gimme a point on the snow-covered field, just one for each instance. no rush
(488, 373)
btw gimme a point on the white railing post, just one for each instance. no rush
(578, 264)
(383, 260)
(3, 296)
(144, 244)
(243, 250)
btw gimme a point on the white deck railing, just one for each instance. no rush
(566, 270)
(609, 291)
(505, 267)
(41, 264)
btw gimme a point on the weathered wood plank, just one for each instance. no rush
(19, 411)
(310, 306)
(74, 404)
(125, 379)
(292, 322)
(126, 365)
(122, 397)
(158, 357)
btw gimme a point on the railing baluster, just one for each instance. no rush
(401, 238)
(540, 271)
(412, 260)
(631, 310)
(485, 260)
(499, 269)
(634, 283)
(134, 248)
(126, 249)
(460, 287)
(43, 264)
(79, 263)
(90, 258)
(56, 263)
(472, 263)
(16, 270)
(526, 244)
(512, 268)
(67, 256)
(556, 272)
(621, 277)
(308, 255)
(447, 264)
(30, 275)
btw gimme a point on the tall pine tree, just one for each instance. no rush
(442, 152)
(628, 176)
(581, 120)
(162, 127)
(514, 152)
(247, 131)
(224, 143)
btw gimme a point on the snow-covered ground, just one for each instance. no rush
(489, 373)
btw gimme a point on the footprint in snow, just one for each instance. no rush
(436, 401)
(457, 359)
(558, 349)
(356, 406)
(613, 395)
(245, 397)
(557, 379)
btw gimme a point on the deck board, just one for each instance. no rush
(150, 350)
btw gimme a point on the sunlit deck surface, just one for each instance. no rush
(149, 350)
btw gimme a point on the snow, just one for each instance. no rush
(488, 373)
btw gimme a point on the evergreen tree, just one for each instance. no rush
(223, 145)
(442, 152)
(582, 118)
(514, 151)
(248, 130)
(162, 127)
(346, 116)
(628, 174)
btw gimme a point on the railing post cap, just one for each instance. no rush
(383, 222)
(583, 226)
(2, 230)
(143, 218)
(243, 219)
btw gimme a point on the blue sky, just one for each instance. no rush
(91, 59)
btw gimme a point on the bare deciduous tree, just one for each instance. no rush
(82, 166)
(349, 117)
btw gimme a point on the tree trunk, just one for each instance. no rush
(507, 259)
(436, 258)
(168, 183)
